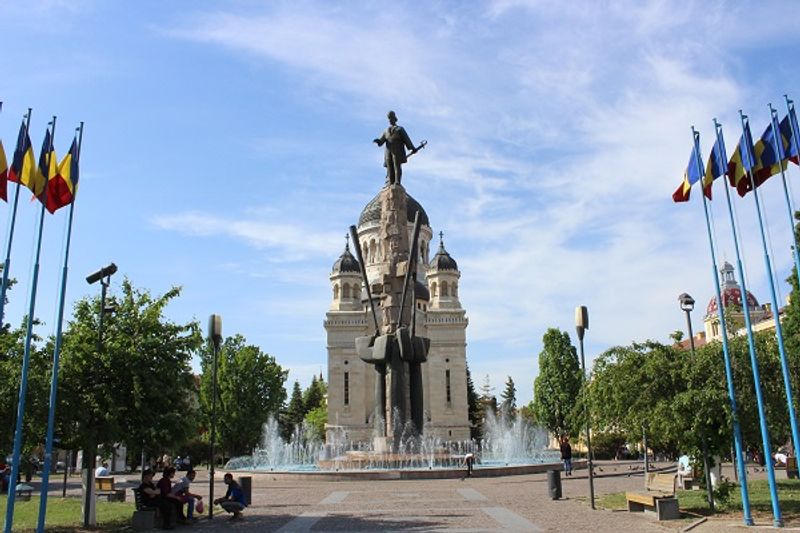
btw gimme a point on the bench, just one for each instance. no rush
(104, 486)
(144, 517)
(659, 498)
(24, 492)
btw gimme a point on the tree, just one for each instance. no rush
(488, 401)
(294, 412)
(138, 388)
(474, 410)
(676, 335)
(250, 389)
(557, 388)
(315, 420)
(509, 396)
(314, 395)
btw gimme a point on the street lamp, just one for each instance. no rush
(581, 325)
(102, 275)
(215, 336)
(687, 305)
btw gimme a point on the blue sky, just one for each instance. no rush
(227, 149)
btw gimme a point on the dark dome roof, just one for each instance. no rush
(346, 262)
(372, 211)
(442, 259)
(421, 291)
(731, 296)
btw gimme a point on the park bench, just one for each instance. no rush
(659, 498)
(104, 486)
(24, 492)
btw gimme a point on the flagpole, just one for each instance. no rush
(23, 386)
(56, 353)
(10, 237)
(748, 163)
(762, 417)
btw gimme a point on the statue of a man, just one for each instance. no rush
(396, 140)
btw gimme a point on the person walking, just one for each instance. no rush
(566, 455)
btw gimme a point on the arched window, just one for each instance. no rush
(434, 294)
(335, 292)
(373, 252)
(455, 290)
(444, 289)
(365, 251)
(356, 291)
(345, 291)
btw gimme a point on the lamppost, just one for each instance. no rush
(90, 455)
(581, 325)
(215, 335)
(687, 305)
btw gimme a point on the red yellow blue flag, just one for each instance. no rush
(690, 176)
(715, 167)
(62, 187)
(23, 164)
(3, 174)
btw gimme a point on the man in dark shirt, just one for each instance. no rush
(566, 455)
(151, 497)
(234, 500)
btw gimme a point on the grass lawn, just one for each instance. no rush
(64, 514)
(694, 501)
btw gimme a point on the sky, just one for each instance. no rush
(227, 149)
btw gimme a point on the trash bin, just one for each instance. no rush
(554, 483)
(246, 482)
(791, 467)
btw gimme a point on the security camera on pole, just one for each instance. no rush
(215, 336)
(581, 325)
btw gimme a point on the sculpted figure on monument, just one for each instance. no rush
(397, 141)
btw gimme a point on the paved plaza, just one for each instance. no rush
(513, 503)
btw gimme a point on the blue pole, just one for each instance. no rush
(787, 380)
(762, 417)
(748, 161)
(23, 385)
(748, 519)
(51, 415)
(10, 237)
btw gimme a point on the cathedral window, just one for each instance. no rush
(345, 291)
(433, 290)
(335, 292)
(347, 388)
(372, 252)
(356, 291)
(455, 290)
(444, 289)
(447, 386)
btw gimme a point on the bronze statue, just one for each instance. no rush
(397, 141)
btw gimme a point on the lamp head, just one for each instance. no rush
(104, 272)
(215, 329)
(686, 301)
(581, 320)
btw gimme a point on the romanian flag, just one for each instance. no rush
(61, 188)
(3, 174)
(765, 161)
(23, 165)
(690, 176)
(715, 167)
(48, 166)
(787, 128)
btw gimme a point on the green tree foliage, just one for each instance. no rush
(314, 395)
(509, 398)
(293, 414)
(138, 389)
(474, 410)
(791, 327)
(315, 421)
(250, 389)
(557, 387)
(12, 343)
(488, 401)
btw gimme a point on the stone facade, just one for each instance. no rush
(439, 316)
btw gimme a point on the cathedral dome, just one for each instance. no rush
(372, 211)
(442, 259)
(346, 262)
(731, 296)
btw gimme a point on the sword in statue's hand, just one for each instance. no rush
(422, 145)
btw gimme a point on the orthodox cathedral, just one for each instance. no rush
(439, 316)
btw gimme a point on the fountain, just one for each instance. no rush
(511, 445)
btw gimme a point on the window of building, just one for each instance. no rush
(433, 289)
(345, 291)
(335, 292)
(444, 288)
(347, 388)
(447, 385)
(356, 291)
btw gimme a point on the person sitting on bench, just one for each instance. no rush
(151, 497)
(233, 501)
